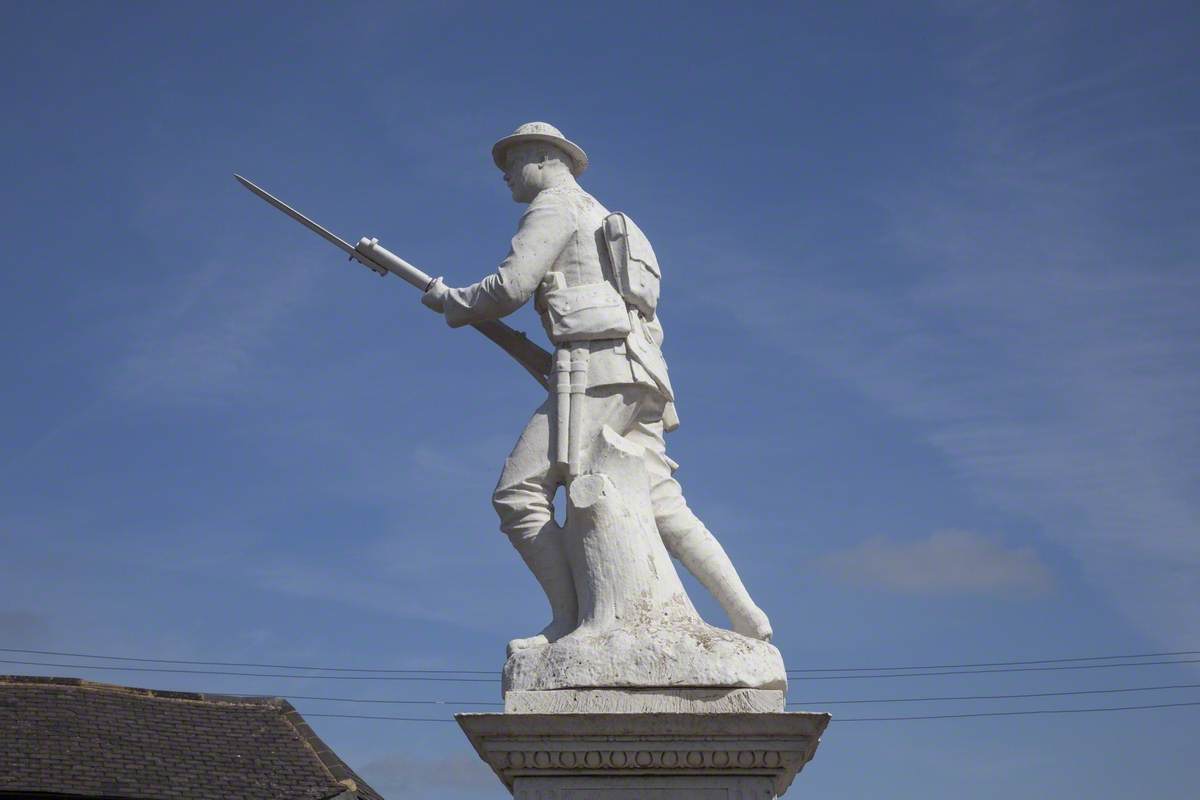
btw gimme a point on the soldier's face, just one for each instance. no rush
(521, 172)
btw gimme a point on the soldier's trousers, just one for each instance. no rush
(524, 495)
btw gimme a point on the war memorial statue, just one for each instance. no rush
(625, 657)
(594, 280)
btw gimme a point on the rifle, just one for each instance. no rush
(381, 261)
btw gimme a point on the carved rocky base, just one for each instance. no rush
(635, 626)
(642, 654)
(645, 756)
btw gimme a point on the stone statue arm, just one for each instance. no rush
(544, 231)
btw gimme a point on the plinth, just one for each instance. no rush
(642, 700)
(645, 756)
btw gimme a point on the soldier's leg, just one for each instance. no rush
(687, 539)
(524, 500)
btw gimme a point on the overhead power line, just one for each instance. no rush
(445, 679)
(849, 719)
(449, 671)
(386, 701)
(441, 677)
(322, 698)
(247, 663)
(1118, 690)
(999, 663)
(394, 719)
(256, 674)
(379, 700)
(996, 696)
(991, 671)
(1017, 713)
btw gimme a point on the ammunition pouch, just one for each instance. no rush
(584, 313)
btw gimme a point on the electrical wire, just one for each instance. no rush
(246, 663)
(394, 719)
(490, 703)
(996, 696)
(991, 671)
(255, 674)
(940, 698)
(441, 678)
(1018, 713)
(793, 703)
(998, 663)
(446, 670)
(851, 719)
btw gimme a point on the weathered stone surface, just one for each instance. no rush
(645, 756)
(623, 573)
(595, 282)
(640, 655)
(645, 701)
(646, 787)
(637, 627)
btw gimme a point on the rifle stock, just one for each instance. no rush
(529, 355)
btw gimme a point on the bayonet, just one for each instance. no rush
(380, 260)
(320, 230)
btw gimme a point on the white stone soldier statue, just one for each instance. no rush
(594, 280)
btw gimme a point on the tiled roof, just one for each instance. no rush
(65, 736)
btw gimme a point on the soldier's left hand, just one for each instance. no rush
(435, 296)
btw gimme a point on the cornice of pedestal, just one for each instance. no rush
(775, 745)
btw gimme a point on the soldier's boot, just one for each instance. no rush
(543, 553)
(699, 551)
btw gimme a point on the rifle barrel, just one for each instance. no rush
(377, 258)
(373, 251)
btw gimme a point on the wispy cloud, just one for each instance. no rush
(1048, 344)
(374, 593)
(946, 562)
(201, 347)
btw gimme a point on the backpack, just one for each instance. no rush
(636, 273)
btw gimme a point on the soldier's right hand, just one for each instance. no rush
(435, 296)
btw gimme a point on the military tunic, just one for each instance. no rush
(561, 232)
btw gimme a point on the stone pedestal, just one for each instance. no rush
(645, 756)
(641, 700)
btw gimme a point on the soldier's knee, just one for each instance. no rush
(507, 502)
(672, 541)
(675, 519)
(521, 508)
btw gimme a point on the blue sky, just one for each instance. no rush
(932, 310)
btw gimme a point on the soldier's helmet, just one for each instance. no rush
(541, 132)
